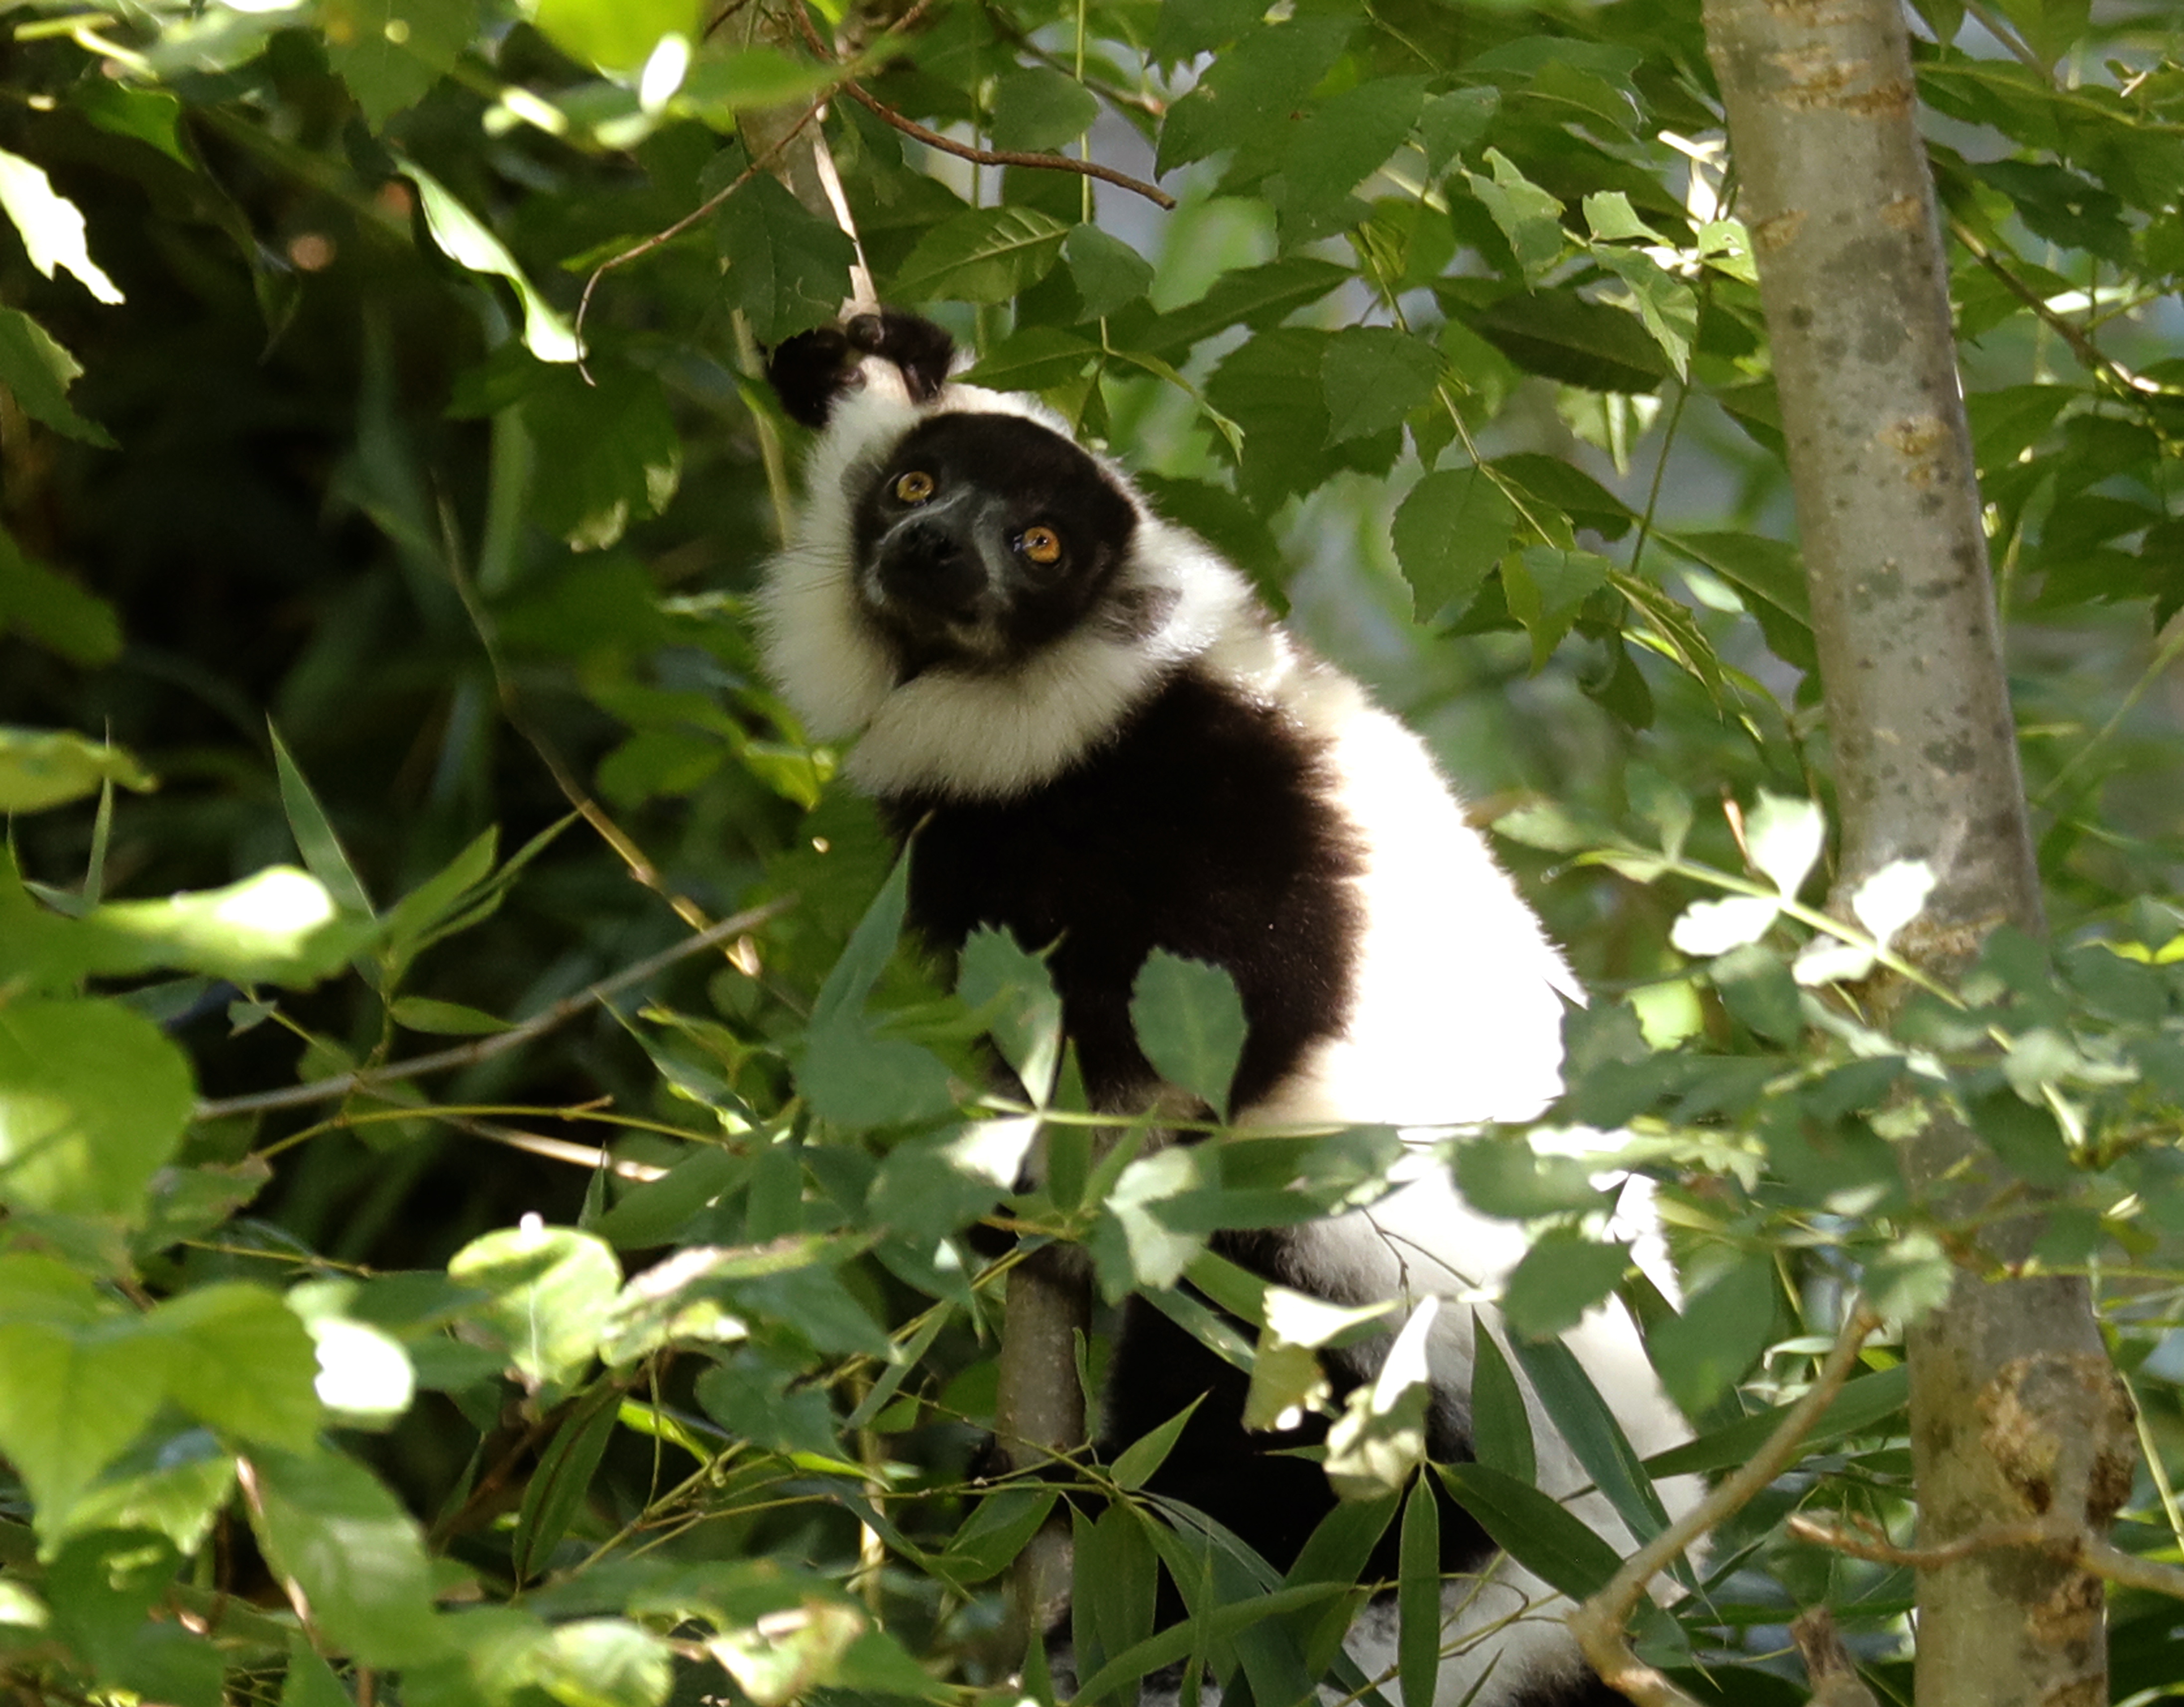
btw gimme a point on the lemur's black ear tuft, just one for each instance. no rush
(811, 371)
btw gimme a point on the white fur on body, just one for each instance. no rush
(1457, 998)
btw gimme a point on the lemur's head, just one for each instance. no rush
(980, 538)
(968, 589)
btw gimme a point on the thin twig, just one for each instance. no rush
(2095, 360)
(646, 245)
(963, 151)
(1600, 1624)
(2064, 1539)
(1007, 157)
(485, 1048)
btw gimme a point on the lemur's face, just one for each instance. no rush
(981, 538)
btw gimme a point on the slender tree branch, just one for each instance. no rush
(1008, 156)
(485, 1048)
(2066, 1540)
(2095, 360)
(1600, 1624)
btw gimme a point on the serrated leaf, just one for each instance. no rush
(1545, 586)
(1038, 109)
(607, 453)
(1249, 94)
(981, 255)
(1449, 533)
(788, 270)
(1109, 274)
(391, 53)
(1373, 376)
(1190, 1022)
(1528, 216)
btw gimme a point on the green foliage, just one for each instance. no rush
(565, 1313)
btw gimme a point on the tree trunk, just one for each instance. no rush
(1822, 127)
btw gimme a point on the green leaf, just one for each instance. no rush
(1666, 305)
(443, 1018)
(1501, 1425)
(1588, 1428)
(997, 1532)
(48, 767)
(1373, 376)
(51, 226)
(1546, 586)
(150, 116)
(1702, 1353)
(1533, 1529)
(1708, 927)
(174, 1485)
(1418, 1598)
(93, 1100)
(391, 53)
(1506, 1177)
(326, 1522)
(241, 1362)
(1449, 533)
(613, 35)
(1248, 95)
(1334, 148)
(1137, 1463)
(1530, 217)
(1559, 1279)
(310, 1681)
(552, 1295)
(1862, 1405)
(39, 372)
(1190, 1023)
(562, 1482)
(467, 241)
(981, 255)
(1014, 992)
(604, 1662)
(1259, 297)
(788, 270)
(1036, 108)
(78, 1381)
(607, 453)
(1108, 273)
(315, 834)
(1453, 123)
(50, 609)
(1036, 359)
(277, 927)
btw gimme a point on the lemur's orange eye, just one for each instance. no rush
(1043, 545)
(915, 486)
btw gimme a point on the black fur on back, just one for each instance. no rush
(1203, 827)
(809, 371)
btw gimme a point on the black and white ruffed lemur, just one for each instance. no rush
(1107, 746)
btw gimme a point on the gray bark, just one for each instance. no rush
(1837, 195)
(1038, 1413)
